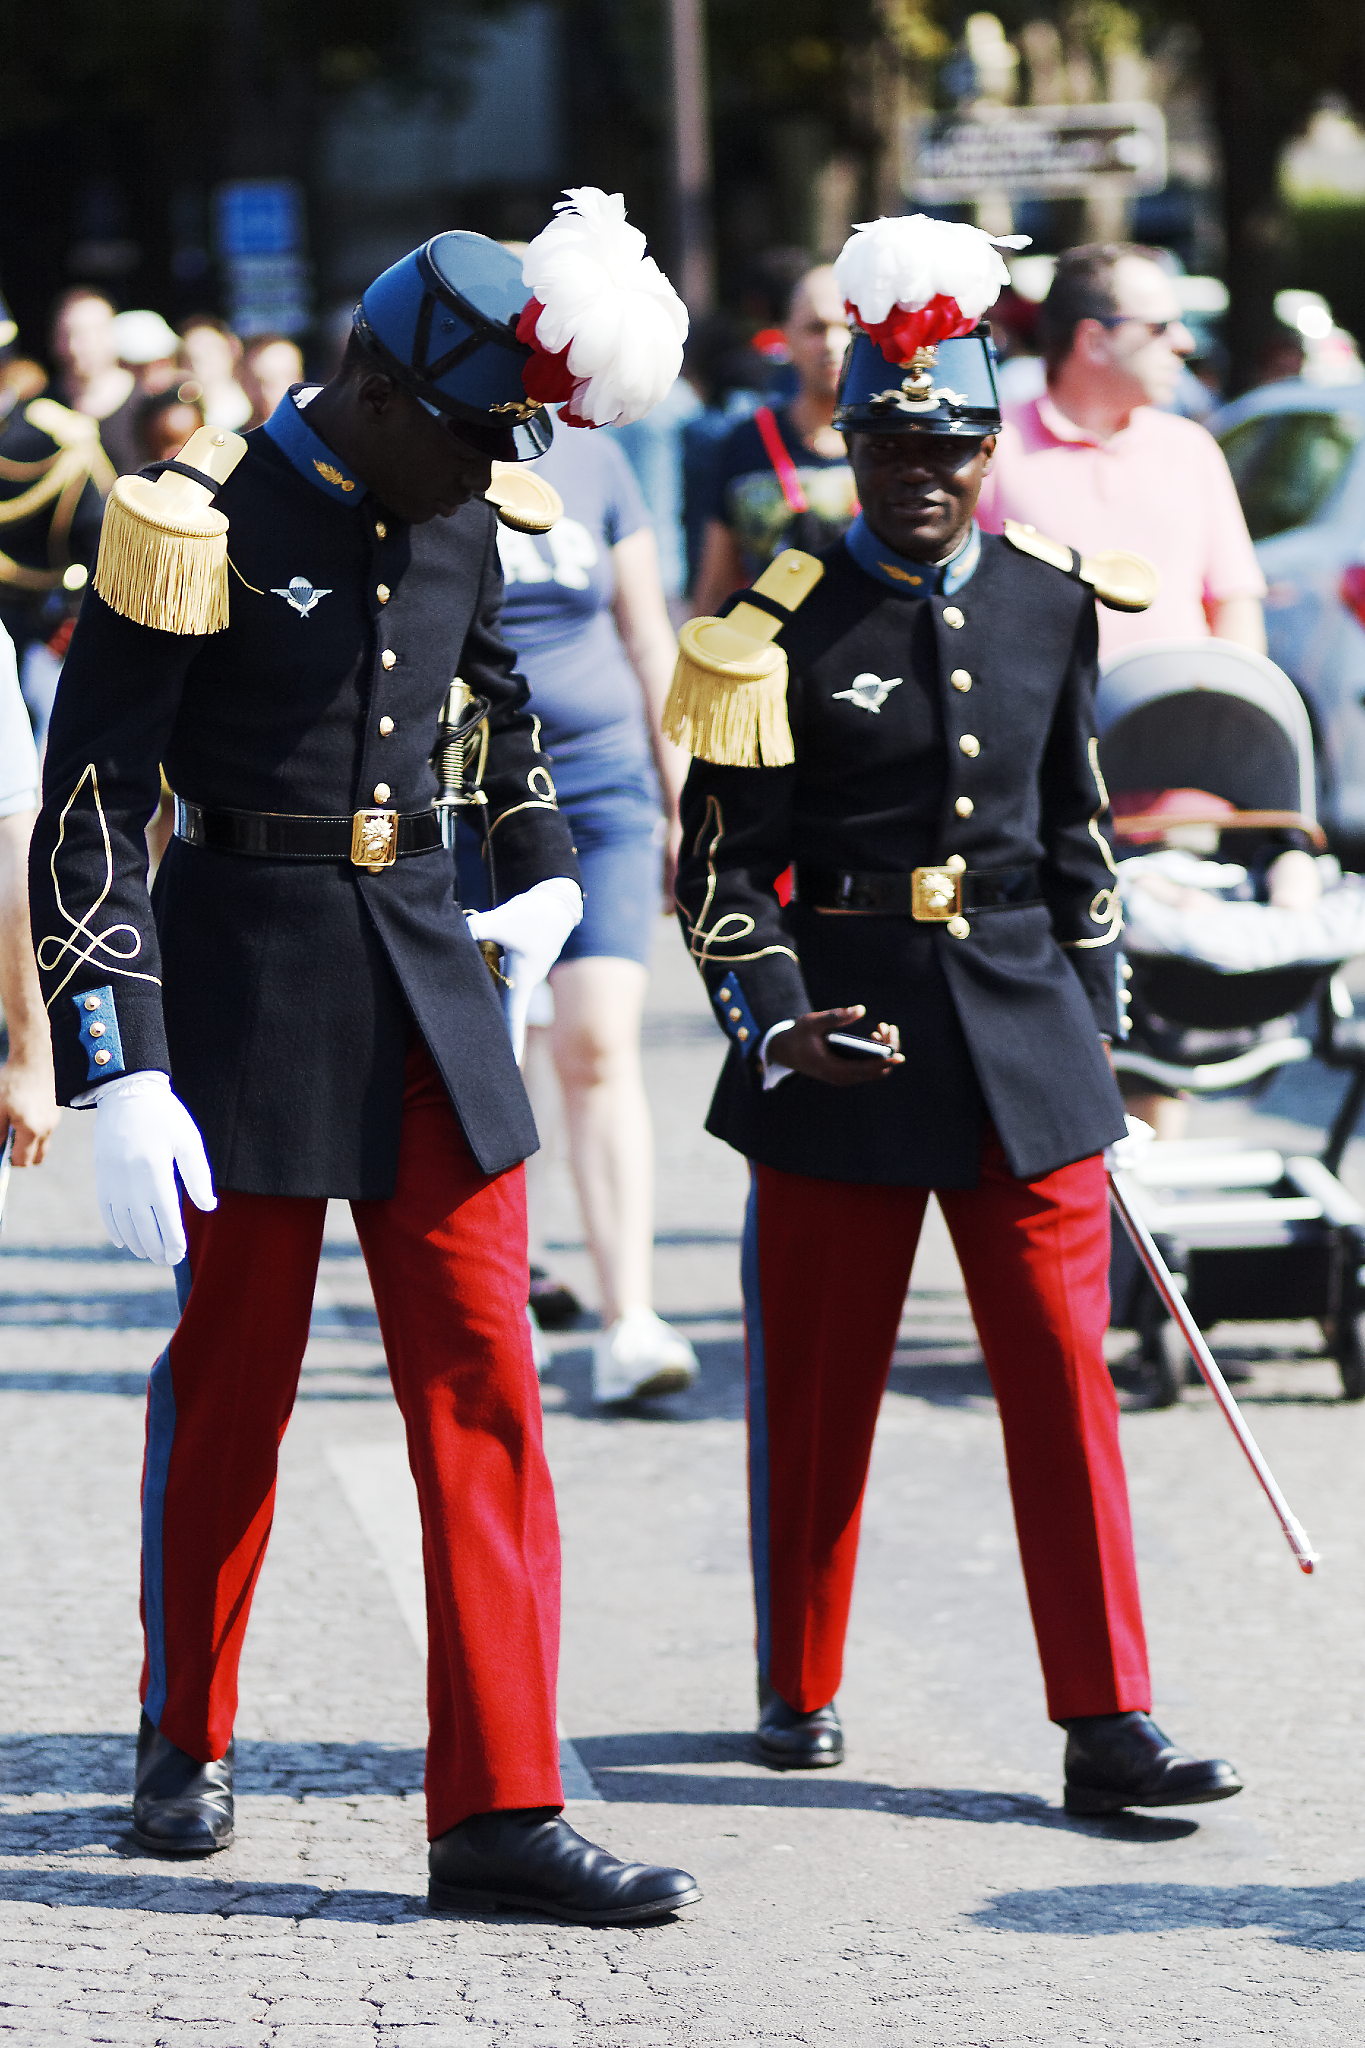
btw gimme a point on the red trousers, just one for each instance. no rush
(447, 1262)
(826, 1267)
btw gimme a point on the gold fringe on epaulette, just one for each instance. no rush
(163, 564)
(730, 710)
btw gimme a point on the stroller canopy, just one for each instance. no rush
(1210, 716)
(1205, 714)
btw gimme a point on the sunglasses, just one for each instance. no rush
(1156, 328)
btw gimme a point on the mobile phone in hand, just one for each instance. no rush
(847, 1045)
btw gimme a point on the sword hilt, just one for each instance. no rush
(451, 734)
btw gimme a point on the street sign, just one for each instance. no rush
(1035, 152)
(258, 217)
(260, 237)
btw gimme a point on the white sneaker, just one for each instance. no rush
(640, 1356)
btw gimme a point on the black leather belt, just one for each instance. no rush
(930, 895)
(367, 839)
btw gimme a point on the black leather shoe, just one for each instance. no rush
(180, 1806)
(1118, 1760)
(788, 1741)
(531, 1857)
(553, 1302)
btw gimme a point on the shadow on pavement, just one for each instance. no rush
(942, 1386)
(68, 1254)
(346, 1382)
(165, 1890)
(130, 1385)
(718, 1394)
(625, 1768)
(31, 1765)
(162, 1889)
(1307, 1916)
(121, 1309)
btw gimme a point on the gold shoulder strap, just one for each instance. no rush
(1122, 580)
(1029, 541)
(728, 702)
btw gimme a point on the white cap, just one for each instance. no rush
(142, 336)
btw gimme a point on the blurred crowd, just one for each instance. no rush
(722, 494)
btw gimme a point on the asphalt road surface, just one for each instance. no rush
(930, 1892)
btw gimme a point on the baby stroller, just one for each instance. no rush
(1217, 986)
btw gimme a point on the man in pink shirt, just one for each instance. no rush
(1094, 463)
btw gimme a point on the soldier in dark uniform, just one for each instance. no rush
(54, 477)
(939, 821)
(305, 978)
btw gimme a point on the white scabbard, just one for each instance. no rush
(1121, 1194)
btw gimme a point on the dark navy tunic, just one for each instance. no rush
(1004, 1023)
(280, 995)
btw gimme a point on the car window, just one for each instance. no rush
(1286, 465)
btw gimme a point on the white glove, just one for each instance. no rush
(142, 1133)
(531, 929)
(1128, 1151)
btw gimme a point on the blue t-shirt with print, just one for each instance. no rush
(557, 614)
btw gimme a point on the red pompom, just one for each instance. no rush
(546, 378)
(902, 332)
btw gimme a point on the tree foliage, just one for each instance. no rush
(203, 88)
(118, 61)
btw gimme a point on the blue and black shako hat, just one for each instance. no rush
(921, 356)
(585, 320)
(443, 323)
(947, 387)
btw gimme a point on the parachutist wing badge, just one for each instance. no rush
(868, 692)
(301, 595)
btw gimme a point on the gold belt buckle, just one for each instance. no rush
(374, 840)
(935, 894)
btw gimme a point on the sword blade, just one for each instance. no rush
(1121, 1193)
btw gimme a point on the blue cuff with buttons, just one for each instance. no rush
(100, 1033)
(736, 1018)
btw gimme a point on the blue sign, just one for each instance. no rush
(259, 230)
(259, 217)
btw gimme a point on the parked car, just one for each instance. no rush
(1297, 456)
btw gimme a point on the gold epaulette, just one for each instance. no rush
(53, 483)
(524, 501)
(728, 702)
(68, 429)
(1120, 579)
(163, 547)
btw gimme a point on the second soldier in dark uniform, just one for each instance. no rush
(53, 479)
(937, 826)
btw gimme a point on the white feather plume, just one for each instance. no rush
(609, 304)
(908, 260)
